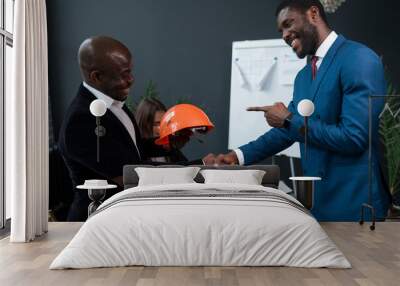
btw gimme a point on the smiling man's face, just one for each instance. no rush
(298, 32)
(116, 77)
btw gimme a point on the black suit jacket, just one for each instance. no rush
(77, 143)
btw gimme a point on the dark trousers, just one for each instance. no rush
(78, 210)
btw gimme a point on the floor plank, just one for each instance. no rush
(375, 257)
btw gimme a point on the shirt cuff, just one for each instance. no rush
(240, 156)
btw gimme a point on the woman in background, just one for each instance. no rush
(148, 116)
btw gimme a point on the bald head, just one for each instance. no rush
(106, 65)
(98, 52)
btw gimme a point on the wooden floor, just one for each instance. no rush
(375, 257)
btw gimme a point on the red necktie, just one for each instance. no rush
(314, 60)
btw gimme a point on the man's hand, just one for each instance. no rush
(274, 114)
(118, 180)
(221, 159)
(209, 159)
(227, 159)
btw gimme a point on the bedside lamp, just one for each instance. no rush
(305, 185)
(305, 109)
(98, 108)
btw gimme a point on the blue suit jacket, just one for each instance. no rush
(338, 131)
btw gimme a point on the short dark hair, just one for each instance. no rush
(302, 6)
(145, 113)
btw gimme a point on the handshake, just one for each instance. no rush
(221, 159)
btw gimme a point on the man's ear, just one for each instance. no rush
(95, 76)
(313, 14)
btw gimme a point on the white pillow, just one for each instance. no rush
(248, 177)
(166, 176)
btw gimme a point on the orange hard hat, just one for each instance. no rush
(180, 117)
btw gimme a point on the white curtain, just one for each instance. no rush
(27, 123)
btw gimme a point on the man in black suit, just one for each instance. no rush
(106, 68)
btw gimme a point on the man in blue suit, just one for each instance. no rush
(339, 78)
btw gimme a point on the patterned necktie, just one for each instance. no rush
(314, 60)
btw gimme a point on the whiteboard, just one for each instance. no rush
(262, 73)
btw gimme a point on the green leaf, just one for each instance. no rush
(389, 130)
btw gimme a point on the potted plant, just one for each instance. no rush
(149, 92)
(389, 130)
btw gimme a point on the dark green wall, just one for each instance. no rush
(185, 46)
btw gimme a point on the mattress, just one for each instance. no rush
(201, 225)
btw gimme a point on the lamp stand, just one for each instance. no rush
(100, 131)
(372, 209)
(305, 136)
(369, 205)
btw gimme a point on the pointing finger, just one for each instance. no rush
(259, 108)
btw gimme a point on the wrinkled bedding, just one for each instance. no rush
(201, 225)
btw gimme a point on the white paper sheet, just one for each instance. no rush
(289, 67)
(254, 72)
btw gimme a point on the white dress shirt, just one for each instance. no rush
(115, 106)
(320, 53)
(324, 47)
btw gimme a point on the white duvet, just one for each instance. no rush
(183, 231)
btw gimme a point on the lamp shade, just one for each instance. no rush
(305, 107)
(98, 107)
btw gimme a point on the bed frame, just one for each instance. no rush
(270, 179)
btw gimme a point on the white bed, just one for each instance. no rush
(221, 225)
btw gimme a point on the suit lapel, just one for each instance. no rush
(136, 127)
(114, 121)
(132, 117)
(117, 124)
(111, 117)
(326, 63)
